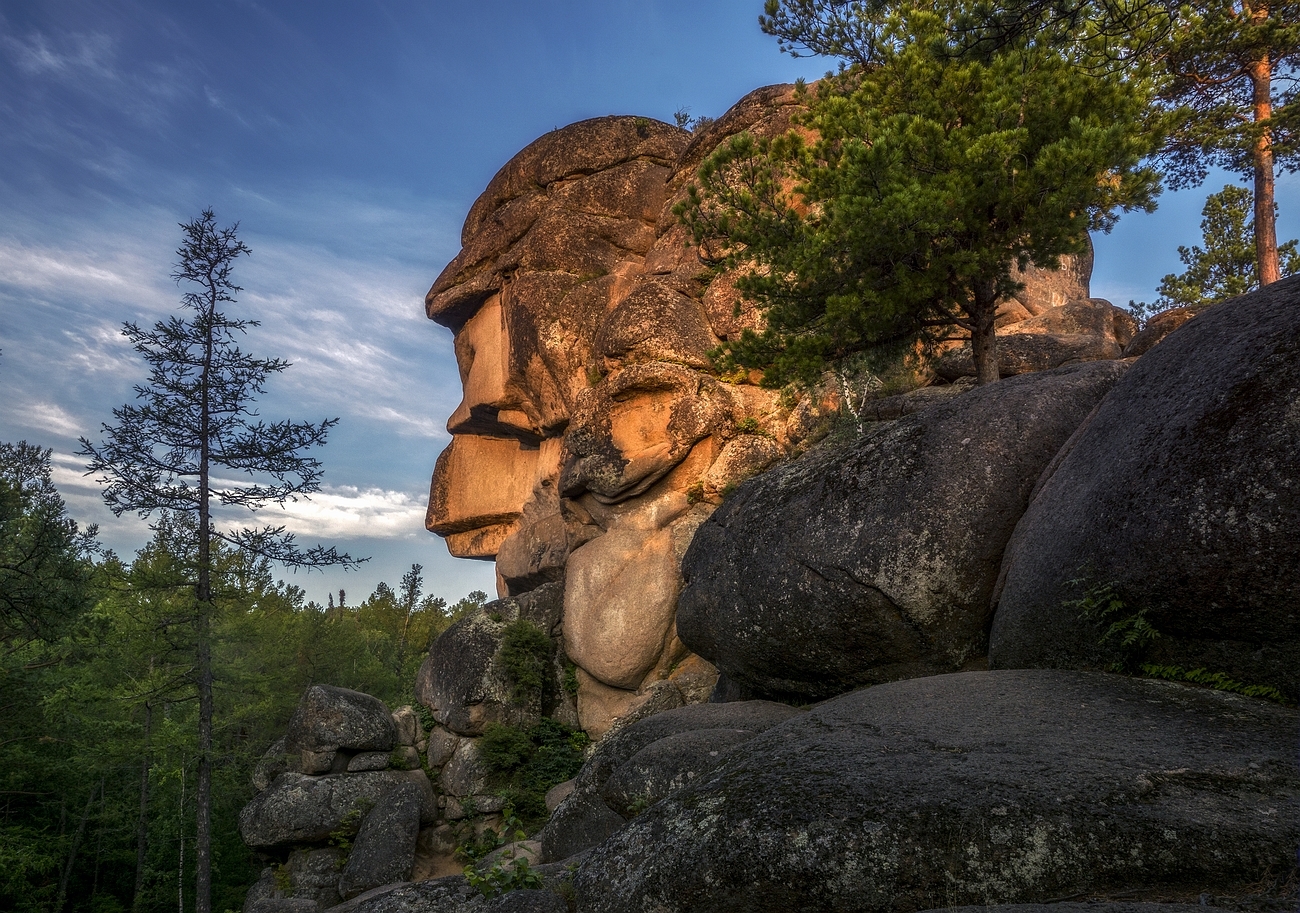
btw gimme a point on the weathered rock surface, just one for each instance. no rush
(1182, 496)
(971, 788)
(383, 850)
(583, 325)
(461, 680)
(667, 765)
(685, 737)
(875, 559)
(274, 762)
(1157, 328)
(330, 718)
(453, 894)
(1080, 331)
(303, 809)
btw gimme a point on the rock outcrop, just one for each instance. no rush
(972, 788)
(640, 763)
(1181, 499)
(347, 770)
(875, 559)
(594, 436)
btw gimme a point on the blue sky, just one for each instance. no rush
(348, 140)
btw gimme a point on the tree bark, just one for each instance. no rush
(1266, 258)
(66, 875)
(203, 644)
(142, 823)
(983, 335)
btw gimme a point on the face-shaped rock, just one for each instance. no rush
(590, 423)
(593, 437)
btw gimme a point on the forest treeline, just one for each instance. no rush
(98, 697)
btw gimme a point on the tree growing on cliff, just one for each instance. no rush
(1227, 71)
(195, 416)
(931, 175)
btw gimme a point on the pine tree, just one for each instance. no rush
(934, 172)
(1232, 80)
(1226, 266)
(195, 415)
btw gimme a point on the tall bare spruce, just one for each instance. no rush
(195, 415)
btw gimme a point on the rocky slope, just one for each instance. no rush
(1122, 503)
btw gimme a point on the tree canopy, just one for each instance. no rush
(45, 566)
(929, 175)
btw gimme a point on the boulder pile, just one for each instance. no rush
(341, 803)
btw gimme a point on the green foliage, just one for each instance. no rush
(638, 805)
(283, 880)
(349, 825)
(1225, 267)
(570, 680)
(933, 174)
(524, 764)
(525, 658)
(1129, 633)
(511, 872)
(45, 561)
(748, 426)
(1216, 680)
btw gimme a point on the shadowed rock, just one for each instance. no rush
(1182, 496)
(973, 788)
(874, 559)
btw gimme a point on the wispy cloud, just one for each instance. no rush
(67, 57)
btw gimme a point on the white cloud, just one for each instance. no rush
(52, 417)
(347, 512)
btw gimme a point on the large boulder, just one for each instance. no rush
(1180, 500)
(463, 682)
(874, 559)
(973, 788)
(1090, 329)
(638, 763)
(299, 809)
(328, 719)
(383, 850)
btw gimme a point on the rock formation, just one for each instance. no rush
(1181, 499)
(347, 769)
(593, 437)
(972, 788)
(589, 454)
(875, 559)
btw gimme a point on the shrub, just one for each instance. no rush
(524, 764)
(525, 658)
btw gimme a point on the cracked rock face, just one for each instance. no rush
(589, 414)
(874, 560)
(972, 788)
(1182, 496)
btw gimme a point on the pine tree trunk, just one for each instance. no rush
(66, 876)
(1266, 259)
(983, 336)
(142, 823)
(203, 645)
